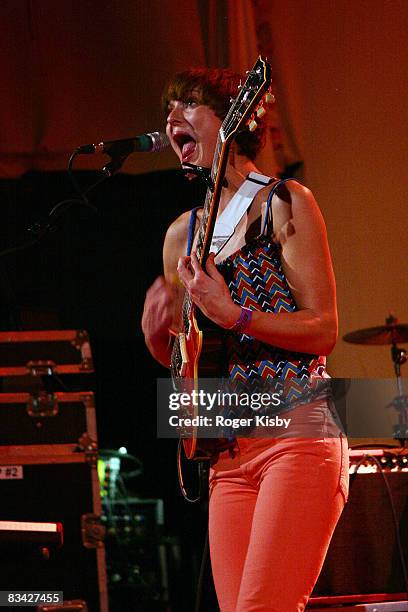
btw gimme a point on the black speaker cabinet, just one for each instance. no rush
(363, 556)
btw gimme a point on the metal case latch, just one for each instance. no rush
(89, 447)
(81, 343)
(92, 531)
(41, 368)
(42, 404)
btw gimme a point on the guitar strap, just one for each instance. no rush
(236, 208)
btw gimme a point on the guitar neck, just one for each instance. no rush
(209, 216)
(248, 97)
(211, 203)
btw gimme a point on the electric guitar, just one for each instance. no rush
(193, 356)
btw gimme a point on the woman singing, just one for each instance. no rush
(275, 498)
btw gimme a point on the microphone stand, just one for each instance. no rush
(400, 401)
(38, 230)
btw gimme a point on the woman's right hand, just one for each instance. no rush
(158, 319)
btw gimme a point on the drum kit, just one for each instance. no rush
(392, 333)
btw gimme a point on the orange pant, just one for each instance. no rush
(273, 509)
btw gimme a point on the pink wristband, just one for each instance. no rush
(243, 322)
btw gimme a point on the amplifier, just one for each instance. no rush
(363, 555)
(136, 554)
(372, 460)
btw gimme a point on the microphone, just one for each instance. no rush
(118, 150)
(153, 142)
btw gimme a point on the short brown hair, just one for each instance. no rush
(214, 87)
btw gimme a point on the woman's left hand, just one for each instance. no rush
(208, 290)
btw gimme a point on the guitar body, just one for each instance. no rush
(199, 356)
(196, 354)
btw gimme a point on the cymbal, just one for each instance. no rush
(383, 334)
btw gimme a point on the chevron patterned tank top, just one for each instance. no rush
(256, 280)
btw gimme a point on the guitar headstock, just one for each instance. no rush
(250, 101)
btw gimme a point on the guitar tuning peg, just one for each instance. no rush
(269, 97)
(252, 125)
(232, 100)
(260, 111)
(240, 84)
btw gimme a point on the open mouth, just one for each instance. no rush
(186, 144)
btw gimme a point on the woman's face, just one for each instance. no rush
(193, 130)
